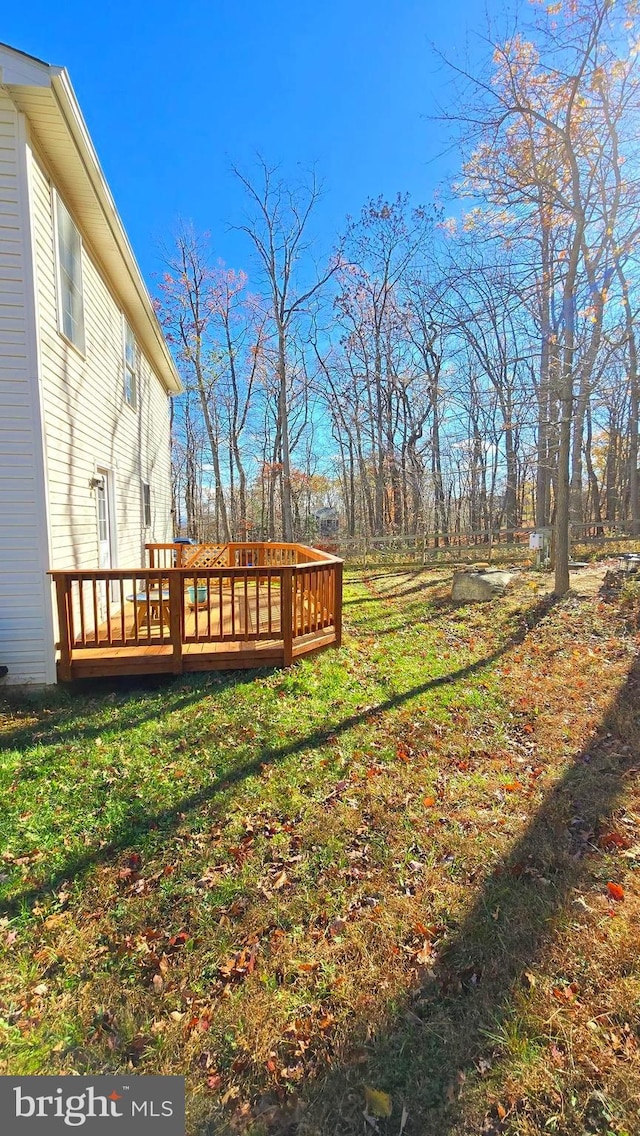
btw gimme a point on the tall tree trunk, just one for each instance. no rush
(543, 465)
(283, 416)
(634, 399)
(611, 473)
(562, 542)
(591, 473)
(440, 511)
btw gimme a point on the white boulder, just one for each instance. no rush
(479, 586)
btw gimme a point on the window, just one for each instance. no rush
(130, 367)
(146, 504)
(103, 516)
(70, 299)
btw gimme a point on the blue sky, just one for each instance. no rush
(173, 93)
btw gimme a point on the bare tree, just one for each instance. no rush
(545, 142)
(278, 228)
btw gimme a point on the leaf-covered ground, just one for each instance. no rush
(394, 889)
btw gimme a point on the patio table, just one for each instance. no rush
(151, 607)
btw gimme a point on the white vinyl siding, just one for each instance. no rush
(69, 265)
(130, 367)
(26, 646)
(86, 429)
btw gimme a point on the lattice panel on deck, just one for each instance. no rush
(208, 556)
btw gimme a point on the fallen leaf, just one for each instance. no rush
(429, 802)
(512, 786)
(240, 965)
(420, 929)
(611, 840)
(616, 891)
(54, 921)
(565, 993)
(336, 926)
(158, 983)
(377, 1102)
(425, 954)
(280, 881)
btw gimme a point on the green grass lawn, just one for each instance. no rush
(399, 878)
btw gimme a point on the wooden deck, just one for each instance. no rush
(104, 661)
(198, 653)
(257, 605)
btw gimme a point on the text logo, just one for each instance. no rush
(112, 1106)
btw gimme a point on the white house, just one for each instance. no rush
(85, 373)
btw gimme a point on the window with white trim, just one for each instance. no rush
(69, 263)
(146, 504)
(130, 367)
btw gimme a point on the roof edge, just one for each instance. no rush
(22, 70)
(74, 119)
(24, 54)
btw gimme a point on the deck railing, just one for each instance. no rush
(247, 554)
(253, 593)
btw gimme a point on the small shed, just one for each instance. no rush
(328, 521)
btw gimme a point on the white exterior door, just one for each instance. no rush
(104, 505)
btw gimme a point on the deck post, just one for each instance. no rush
(176, 588)
(337, 615)
(63, 598)
(286, 613)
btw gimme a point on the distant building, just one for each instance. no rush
(328, 521)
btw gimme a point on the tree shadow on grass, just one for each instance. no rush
(68, 715)
(165, 820)
(397, 593)
(433, 1055)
